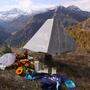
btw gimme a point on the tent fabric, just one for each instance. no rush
(7, 60)
(60, 41)
(51, 38)
(40, 41)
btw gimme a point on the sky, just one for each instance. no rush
(30, 5)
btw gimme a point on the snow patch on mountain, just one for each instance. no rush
(11, 14)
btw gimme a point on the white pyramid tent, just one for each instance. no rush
(51, 38)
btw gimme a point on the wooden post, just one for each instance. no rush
(48, 62)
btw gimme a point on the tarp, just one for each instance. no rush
(7, 60)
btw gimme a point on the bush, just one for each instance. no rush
(7, 49)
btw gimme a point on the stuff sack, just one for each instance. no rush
(7, 60)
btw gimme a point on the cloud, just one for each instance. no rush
(83, 4)
(25, 4)
(31, 5)
(8, 7)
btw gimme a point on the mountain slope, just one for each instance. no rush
(13, 20)
(11, 14)
(21, 37)
(67, 16)
(81, 33)
(3, 36)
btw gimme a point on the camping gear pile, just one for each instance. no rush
(55, 82)
(26, 70)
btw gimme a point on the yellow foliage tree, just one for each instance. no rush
(81, 36)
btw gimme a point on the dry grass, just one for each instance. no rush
(10, 81)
